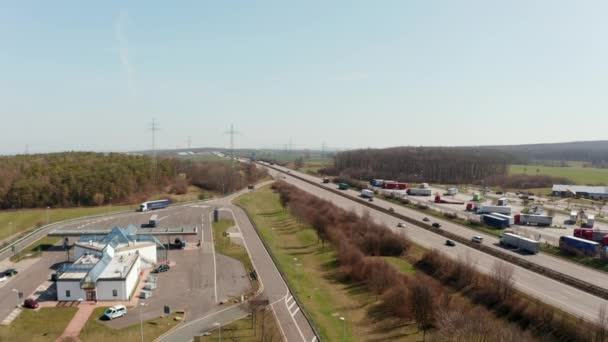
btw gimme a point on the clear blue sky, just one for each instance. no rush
(81, 76)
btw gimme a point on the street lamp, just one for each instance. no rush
(343, 328)
(47, 214)
(110, 204)
(217, 324)
(141, 322)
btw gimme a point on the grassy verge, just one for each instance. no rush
(576, 173)
(259, 328)
(17, 221)
(224, 246)
(45, 324)
(35, 249)
(312, 272)
(94, 330)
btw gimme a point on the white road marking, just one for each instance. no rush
(202, 230)
(290, 306)
(214, 263)
(314, 339)
(295, 311)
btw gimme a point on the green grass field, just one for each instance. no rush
(16, 221)
(45, 324)
(224, 246)
(35, 249)
(576, 173)
(312, 272)
(94, 330)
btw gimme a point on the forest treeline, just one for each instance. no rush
(595, 152)
(448, 165)
(87, 178)
(427, 298)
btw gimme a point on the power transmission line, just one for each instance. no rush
(232, 133)
(154, 127)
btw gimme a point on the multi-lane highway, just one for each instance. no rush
(565, 297)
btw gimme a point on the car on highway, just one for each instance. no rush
(161, 268)
(450, 243)
(477, 239)
(436, 225)
(401, 225)
(115, 312)
(425, 219)
(10, 272)
(31, 303)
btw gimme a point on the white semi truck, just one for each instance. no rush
(524, 244)
(366, 193)
(487, 209)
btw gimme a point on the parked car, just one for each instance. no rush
(477, 239)
(371, 199)
(391, 209)
(450, 243)
(10, 272)
(400, 225)
(3, 277)
(425, 219)
(250, 187)
(31, 303)
(436, 225)
(115, 312)
(161, 268)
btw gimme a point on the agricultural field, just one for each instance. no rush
(575, 172)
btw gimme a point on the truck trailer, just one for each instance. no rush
(366, 193)
(438, 199)
(507, 217)
(589, 221)
(152, 205)
(487, 209)
(419, 192)
(503, 201)
(539, 220)
(153, 221)
(520, 242)
(376, 182)
(495, 221)
(590, 234)
(452, 191)
(578, 245)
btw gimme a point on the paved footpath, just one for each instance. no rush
(81, 317)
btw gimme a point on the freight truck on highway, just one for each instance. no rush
(579, 246)
(366, 193)
(152, 205)
(520, 242)
(539, 220)
(487, 209)
(419, 192)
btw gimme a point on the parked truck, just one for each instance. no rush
(507, 217)
(376, 182)
(495, 221)
(476, 197)
(503, 201)
(539, 220)
(343, 186)
(366, 193)
(419, 192)
(573, 216)
(577, 245)
(394, 185)
(486, 209)
(588, 221)
(591, 234)
(452, 191)
(438, 199)
(471, 207)
(520, 242)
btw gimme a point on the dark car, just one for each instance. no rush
(250, 187)
(450, 243)
(426, 219)
(161, 268)
(31, 303)
(436, 225)
(10, 272)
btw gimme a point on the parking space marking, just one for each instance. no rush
(295, 311)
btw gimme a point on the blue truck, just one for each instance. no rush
(152, 205)
(579, 246)
(495, 221)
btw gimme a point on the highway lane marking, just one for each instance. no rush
(214, 263)
(202, 229)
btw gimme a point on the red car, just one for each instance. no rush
(31, 303)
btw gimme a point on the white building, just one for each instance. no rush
(107, 267)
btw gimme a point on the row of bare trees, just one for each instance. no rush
(421, 164)
(361, 244)
(221, 176)
(522, 181)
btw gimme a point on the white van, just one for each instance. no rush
(115, 312)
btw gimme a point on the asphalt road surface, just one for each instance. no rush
(567, 298)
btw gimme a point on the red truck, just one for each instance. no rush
(438, 199)
(394, 185)
(596, 235)
(471, 207)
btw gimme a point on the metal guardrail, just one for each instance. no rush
(542, 270)
(314, 328)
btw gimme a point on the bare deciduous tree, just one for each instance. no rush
(502, 274)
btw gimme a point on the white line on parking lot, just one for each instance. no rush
(295, 311)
